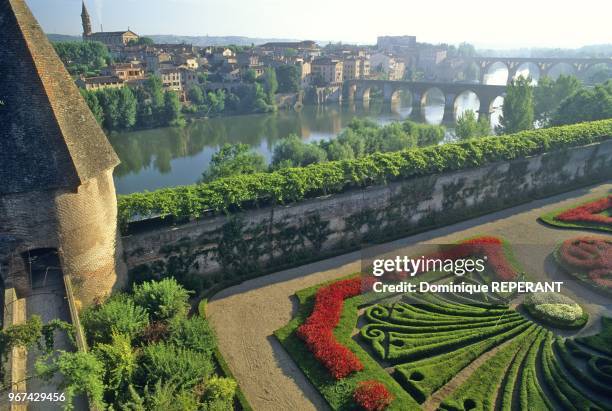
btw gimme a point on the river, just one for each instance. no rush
(164, 157)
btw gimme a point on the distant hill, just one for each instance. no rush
(195, 40)
(211, 40)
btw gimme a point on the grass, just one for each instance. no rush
(549, 218)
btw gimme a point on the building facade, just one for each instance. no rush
(328, 70)
(110, 38)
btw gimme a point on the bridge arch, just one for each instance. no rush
(595, 73)
(465, 100)
(527, 69)
(433, 105)
(495, 73)
(559, 69)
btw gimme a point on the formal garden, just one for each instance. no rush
(452, 350)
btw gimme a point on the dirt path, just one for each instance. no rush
(244, 316)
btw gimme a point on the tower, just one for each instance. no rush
(56, 167)
(86, 21)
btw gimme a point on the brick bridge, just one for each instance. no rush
(575, 66)
(360, 90)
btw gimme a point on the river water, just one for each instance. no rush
(165, 157)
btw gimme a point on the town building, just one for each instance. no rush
(390, 67)
(395, 44)
(430, 57)
(100, 82)
(110, 38)
(57, 193)
(327, 69)
(125, 71)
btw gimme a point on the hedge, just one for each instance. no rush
(295, 184)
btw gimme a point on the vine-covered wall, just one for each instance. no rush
(225, 248)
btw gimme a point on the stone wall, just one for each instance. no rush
(272, 238)
(81, 225)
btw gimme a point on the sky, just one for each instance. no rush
(486, 23)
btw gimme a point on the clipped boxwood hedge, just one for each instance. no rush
(294, 184)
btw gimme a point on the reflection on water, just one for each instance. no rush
(152, 159)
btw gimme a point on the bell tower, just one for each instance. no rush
(86, 21)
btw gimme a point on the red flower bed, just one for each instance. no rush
(589, 254)
(588, 213)
(485, 246)
(372, 396)
(317, 330)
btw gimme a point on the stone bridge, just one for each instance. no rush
(360, 90)
(575, 66)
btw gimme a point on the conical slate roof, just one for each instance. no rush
(48, 137)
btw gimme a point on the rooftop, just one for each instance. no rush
(48, 139)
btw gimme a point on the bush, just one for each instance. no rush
(163, 299)
(118, 314)
(220, 389)
(295, 184)
(193, 333)
(372, 396)
(168, 363)
(556, 310)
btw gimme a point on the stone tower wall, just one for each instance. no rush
(81, 225)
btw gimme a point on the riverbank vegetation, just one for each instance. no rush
(83, 57)
(296, 183)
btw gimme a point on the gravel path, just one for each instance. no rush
(244, 316)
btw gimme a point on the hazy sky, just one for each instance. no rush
(513, 23)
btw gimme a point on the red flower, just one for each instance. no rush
(317, 330)
(589, 213)
(372, 396)
(589, 254)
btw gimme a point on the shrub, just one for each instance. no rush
(372, 396)
(193, 333)
(118, 314)
(163, 299)
(295, 184)
(219, 388)
(555, 309)
(167, 363)
(317, 330)
(81, 373)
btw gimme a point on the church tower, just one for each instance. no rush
(86, 21)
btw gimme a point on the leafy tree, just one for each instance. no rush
(470, 127)
(82, 57)
(141, 41)
(163, 396)
(234, 159)
(293, 152)
(172, 109)
(127, 107)
(549, 94)
(599, 73)
(193, 333)
(471, 72)
(215, 101)
(195, 95)
(94, 105)
(250, 76)
(119, 314)
(587, 104)
(81, 373)
(120, 364)
(288, 78)
(168, 363)
(270, 84)
(163, 299)
(518, 108)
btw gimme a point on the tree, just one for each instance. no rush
(270, 84)
(120, 364)
(172, 109)
(470, 127)
(141, 41)
(250, 76)
(82, 57)
(127, 107)
(518, 110)
(163, 299)
(549, 94)
(293, 152)
(288, 78)
(195, 95)
(587, 104)
(233, 159)
(94, 105)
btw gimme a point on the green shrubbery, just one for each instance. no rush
(295, 184)
(556, 310)
(145, 354)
